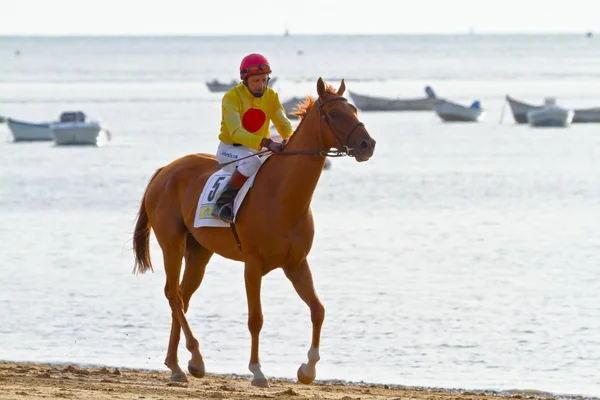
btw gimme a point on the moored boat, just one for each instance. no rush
(453, 112)
(550, 115)
(28, 131)
(372, 103)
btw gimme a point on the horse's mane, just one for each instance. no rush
(302, 108)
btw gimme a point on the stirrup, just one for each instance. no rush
(224, 212)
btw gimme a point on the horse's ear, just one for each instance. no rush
(342, 88)
(320, 87)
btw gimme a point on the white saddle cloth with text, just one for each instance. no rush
(211, 192)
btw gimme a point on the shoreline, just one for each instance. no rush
(31, 380)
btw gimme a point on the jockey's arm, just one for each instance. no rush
(280, 120)
(282, 124)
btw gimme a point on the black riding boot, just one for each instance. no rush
(224, 205)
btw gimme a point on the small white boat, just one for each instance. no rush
(74, 128)
(371, 103)
(550, 115)
(28, 132)
(452, 112)
(581, 115)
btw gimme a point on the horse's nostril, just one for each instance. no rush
(364, 145)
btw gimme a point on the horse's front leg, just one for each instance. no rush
(301, 278)
(253, 279)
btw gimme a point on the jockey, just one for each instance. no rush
(247, 110)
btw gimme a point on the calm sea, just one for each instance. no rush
(460, 256)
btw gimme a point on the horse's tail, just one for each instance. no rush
(141, 235)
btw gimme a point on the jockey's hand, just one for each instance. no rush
(275, 147)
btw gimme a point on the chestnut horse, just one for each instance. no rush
(274, 224)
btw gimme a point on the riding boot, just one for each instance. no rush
(224, 205)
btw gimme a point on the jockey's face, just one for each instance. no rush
(257, 84)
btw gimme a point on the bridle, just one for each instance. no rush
(345, 150)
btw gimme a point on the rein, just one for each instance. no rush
(328, 153)
(323, 153)
(345, 150)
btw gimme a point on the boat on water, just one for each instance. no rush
(454, 112)
(290, 106)
(372, 103)
(217, 87)
(550, 115)
(23, 131)
(75, 128)
(580, 115)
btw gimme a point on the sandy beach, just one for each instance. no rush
(43, 381)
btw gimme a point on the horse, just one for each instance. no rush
(281, 194)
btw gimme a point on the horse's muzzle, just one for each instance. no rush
(364, 151)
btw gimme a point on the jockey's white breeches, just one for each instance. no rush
(229, 152)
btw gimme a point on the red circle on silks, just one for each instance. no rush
(253, 119)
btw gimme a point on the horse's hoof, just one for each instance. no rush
(261, 382)
(196, 371)
(178, 377)
(303, 378)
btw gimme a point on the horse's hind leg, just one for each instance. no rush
(196, 259)
(253, 280)
(173, 247)
(301, 278)
(171, 361)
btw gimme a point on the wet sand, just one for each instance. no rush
(42, 381)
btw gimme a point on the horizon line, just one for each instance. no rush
(466, 33)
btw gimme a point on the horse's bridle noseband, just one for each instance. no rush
(345, 149)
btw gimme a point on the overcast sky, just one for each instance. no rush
(232, 17)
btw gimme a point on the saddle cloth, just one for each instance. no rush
(211, 192)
